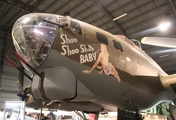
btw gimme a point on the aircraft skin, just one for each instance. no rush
(86, 68)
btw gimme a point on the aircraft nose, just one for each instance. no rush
(33, 37)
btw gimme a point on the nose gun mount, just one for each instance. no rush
(33, 36)
(59, 25)
(23, 93)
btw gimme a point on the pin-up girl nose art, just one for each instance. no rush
(106, 66)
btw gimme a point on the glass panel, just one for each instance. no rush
(76, 27)
(18, 38)
(136, 42)
(34, 36)
(102, 38)
(117, 45)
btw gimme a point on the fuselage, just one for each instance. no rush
(116, 71)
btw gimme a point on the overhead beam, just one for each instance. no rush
(15, 6)
(62, 6)
(35, 5)
(2, 16)
(83, 11)
(115, 23)
(2, 31)
(171, 72)
(172, 5)
(19, 13)
(146, 12)
(53, 3)
(91, 15)
(8, 91)
(3, 56)
(77, 6)
(7, 26)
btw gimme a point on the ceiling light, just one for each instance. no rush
(120, 16)
(162, 56)
(164, 26)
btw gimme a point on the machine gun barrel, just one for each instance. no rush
(25, 62)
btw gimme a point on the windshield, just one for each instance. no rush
(33, 37)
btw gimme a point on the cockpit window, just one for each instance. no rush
(76, 27)
(63, 20)
(117, 45)
(35, 36)
(102, 38)
(136, 42)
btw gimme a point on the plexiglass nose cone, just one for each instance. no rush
(33, 37)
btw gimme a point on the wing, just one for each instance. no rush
(150, 84)
(159, 41)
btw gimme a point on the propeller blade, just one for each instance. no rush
(159, 41)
